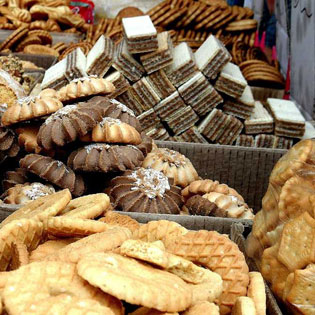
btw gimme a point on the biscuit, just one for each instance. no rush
(54, 171)
(256, 291)
(14, 38)
(173, 164)
(116, 219)
(20, 256)
(46, 281)
(145, 190)
(27, 137)
(40, 50)
(243, 306)
(151, 287)
(99, 242)
(204, 307)
(106, 158)
(73, 227)
(41, 208)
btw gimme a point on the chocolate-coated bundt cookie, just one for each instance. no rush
(117, 110)
(68, 124)
(145, 190)
(8, 144)
(12, 178)
(100, 157)
(54, 172)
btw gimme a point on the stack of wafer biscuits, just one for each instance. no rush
(161, 83)
(241, 107)
(221, 128)
(289, 122)
(200, 94)
(260, 121)
(140, 34)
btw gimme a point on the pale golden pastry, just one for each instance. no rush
(27, 137)
(84, 87)
(29, 108)
(22, 194)
(173, 164)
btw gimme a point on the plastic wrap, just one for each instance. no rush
(282, 241)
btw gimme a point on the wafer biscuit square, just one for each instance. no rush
(148, 119)
(161, 84)
(120, 82)
(211, 57)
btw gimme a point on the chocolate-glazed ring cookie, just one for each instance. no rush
(117, 110)
(145, 190)
(54, 172)
(100, 157)
(69, 123)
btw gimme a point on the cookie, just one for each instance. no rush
(14, 37)
(54, 171)
(173, 164)
(101, 157)
(116, 219)
(145, 190)
(164, 297)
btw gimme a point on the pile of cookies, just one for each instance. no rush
(176, 94)
(79, 138)
(76, 256)
(282, 239)
(46, 15)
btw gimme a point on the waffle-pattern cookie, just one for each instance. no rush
(101, 157)
(220, 255)
(30, 108)
(54, 172)
(84, 87)
(173, 164)
(69, 123)
(145, 190)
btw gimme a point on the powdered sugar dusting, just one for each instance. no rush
(38, 190)
(172, 157)
(61, 112)
(123, 108)
(26, 100)
(153, 183)
(97, 146)
(110, 121)
(59, 163)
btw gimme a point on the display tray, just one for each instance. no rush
(245, 169)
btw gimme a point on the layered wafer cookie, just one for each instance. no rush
(55, 76)
(183, 66)
(260, 120)
(158, 134)
(241, 107)
(245, 141)
(231, 81)
(161, 84)
(76, 65)
(149, 120)
(140, 34)
(161, 57)
(126, 63)
(120, 82)
(146, 95)
(309, 131)
(210, 123)
(211, 57)
(230, 131)
(182, 119)
(265, 141)
(283, 143)
(289, 122)
(169, 106)
(100, 57)
(128, 98)
(192, 135)
(200, 94)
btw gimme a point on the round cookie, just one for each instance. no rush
(173, 164)
(138, 283)
(54, 172)
(145, 190)
(101, 157)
